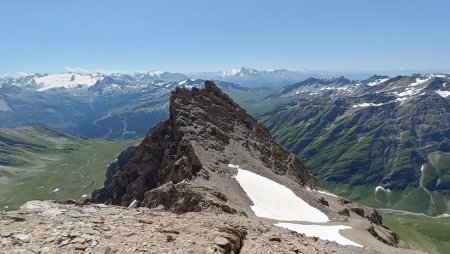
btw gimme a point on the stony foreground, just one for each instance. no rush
(47, 227)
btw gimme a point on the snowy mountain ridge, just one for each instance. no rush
(402, 87)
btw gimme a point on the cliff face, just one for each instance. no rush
(205, 131)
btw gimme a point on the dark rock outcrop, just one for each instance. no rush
(323, 201)
(186, 197)
(390, 239)
(122, 159)
(375, 217)
(358, 210)
(344, 212)
(202, 126)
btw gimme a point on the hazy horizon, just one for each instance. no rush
(329, 73)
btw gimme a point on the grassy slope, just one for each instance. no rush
(52, 160)
(410, 199)
(420, 232)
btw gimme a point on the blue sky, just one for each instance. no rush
(208, 35)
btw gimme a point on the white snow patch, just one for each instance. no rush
(381, 188)
(365, 104)
(67, 80)
(84, 196)
(327, 193)
(444, 94)
(377, 82)
(182, 82)
(321, 192)
(438, 75)
(230, 72)
(4, 106)
(402, 99)
(274, 201)
(330, 233)
(233, 166)
(420, 81)
(408, 92)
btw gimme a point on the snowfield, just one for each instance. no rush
(274, 201)
(377, 82)
(381, 188)
(327, 193)
(420, 81)
(67, 80)
(444, 94)
(330, 233)
(364, 105)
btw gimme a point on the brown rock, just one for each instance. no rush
(344, 201)
(375, 217)
(79, 246)
(275, 239)
(359, 211)
(391, 240)
(111, 248)
(344, 212)
(323, 201)
(221, 241)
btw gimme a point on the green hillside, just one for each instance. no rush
(37, 162)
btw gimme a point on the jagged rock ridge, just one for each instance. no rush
(205, 130)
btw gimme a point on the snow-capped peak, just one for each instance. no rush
(155, 73)
(377, 81)
(66, 80)
(238, 72)
(230, 72)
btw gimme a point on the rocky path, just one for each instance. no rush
(46, 227)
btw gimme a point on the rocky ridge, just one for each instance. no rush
(206, 130)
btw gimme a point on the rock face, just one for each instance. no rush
(205, 130)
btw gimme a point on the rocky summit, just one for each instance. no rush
(205, 132)
(210, 179)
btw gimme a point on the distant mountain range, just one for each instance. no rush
(247, 77)
(257, 78)
(383, 141)
(90, 104)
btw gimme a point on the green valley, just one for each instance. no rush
(421, 232)
(37, 162)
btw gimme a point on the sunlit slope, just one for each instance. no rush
(37, 162)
